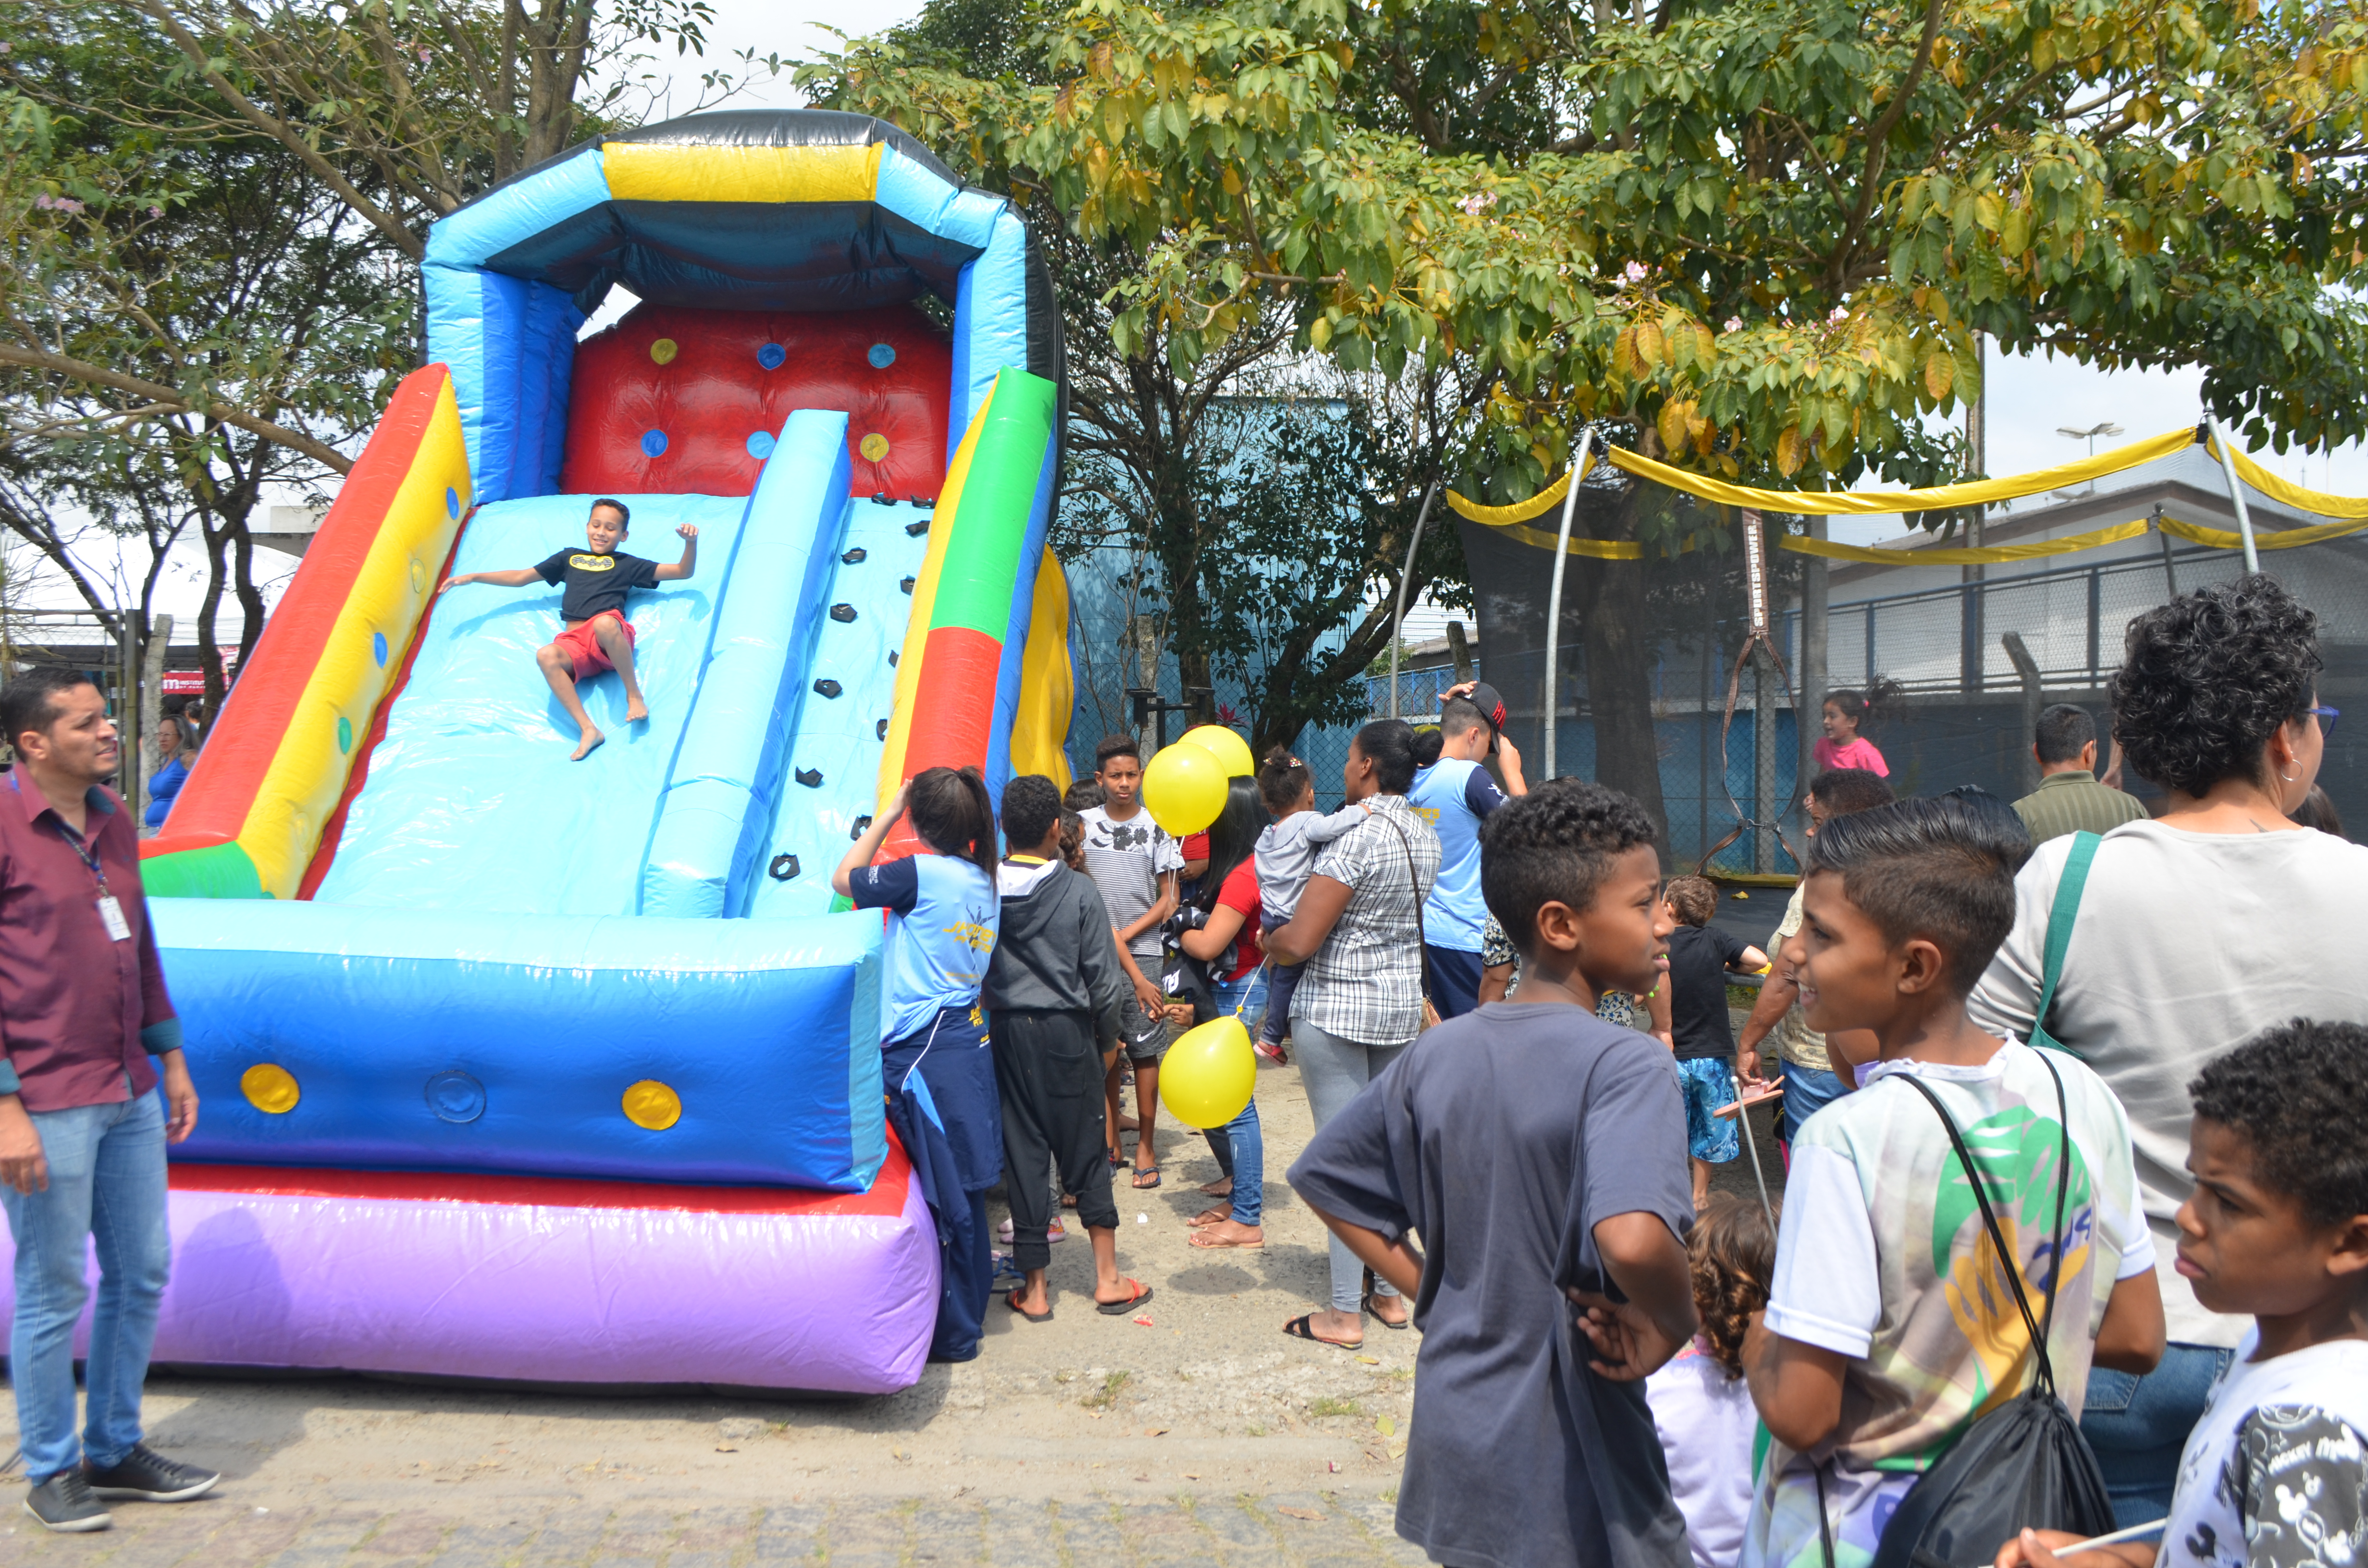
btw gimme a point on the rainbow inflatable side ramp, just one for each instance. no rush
(520, 1067)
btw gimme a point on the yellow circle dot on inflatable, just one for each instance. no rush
(1185, 788)
(663, 351)
(418, 576)
(1206, 1077)
(652, 1105)
(1225, 746)
(875, 447)
(269, 1089)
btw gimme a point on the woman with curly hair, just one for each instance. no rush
(1702, 1407)
(2189, 931)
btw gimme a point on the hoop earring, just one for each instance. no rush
(2287, 776)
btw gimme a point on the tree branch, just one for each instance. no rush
(1870, 182)
(98, 375)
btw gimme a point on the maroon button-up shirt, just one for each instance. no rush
(73, 1000)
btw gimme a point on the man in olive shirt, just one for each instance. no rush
(2069, 799)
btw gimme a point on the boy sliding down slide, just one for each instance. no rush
(599, 637)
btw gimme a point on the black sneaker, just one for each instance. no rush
(146, 1476)
(63, 1503)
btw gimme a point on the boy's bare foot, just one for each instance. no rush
(1216, 1216)
(584, 748)
(636, 710)
(1225, 1233)
(1221, 1187)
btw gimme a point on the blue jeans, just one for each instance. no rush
(2138, 1425)
(1806, 1089)
(107, 1181)
(1240, 1144)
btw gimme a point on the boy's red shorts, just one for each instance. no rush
(585, 656)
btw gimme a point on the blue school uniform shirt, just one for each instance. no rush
(1454, 796)
(943, 916)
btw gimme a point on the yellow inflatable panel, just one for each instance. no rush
(1048, 690)
(642, 170)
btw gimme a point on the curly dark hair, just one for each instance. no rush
(2207, 679)
(2299, 1094)
(1732, 1252)
(1554, 845)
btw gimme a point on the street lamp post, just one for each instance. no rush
(2106, 429)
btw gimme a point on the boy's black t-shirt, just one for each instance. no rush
(1503, 1136)
(1698, 958)
(597, 584)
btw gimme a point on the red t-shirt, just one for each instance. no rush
(1241, 891)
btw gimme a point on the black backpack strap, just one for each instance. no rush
(1997, 1234)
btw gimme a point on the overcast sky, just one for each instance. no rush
(2028, 398)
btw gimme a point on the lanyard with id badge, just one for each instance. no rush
(110, 908)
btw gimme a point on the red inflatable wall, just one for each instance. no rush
(673, 401)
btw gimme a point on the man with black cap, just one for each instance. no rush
(1454, 795)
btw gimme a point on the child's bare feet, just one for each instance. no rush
(1216, 1216)
(591, 741)
(1226, 1234)
(636, 710)
(1221, 1187)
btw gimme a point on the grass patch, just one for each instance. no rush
(1106, 1397)
(1330, 1406)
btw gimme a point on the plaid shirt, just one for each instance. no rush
(1365, 983)
(2072, 801)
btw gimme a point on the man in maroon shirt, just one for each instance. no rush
(81, 1129)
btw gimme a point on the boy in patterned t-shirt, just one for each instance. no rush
(1889, 1330)
(2275, 1474)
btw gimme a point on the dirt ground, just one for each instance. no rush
(1204, 1430)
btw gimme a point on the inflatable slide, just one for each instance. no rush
(522, 1067)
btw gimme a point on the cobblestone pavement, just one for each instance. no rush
(1294, 1528)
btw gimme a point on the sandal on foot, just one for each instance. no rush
(1305, 1328)
(1142, 1171)
(1120, 1308)
(1406, 1321)
(1012, 1301)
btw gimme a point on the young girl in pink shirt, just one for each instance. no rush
(1843, 746)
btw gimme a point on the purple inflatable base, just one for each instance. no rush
(818, 1300)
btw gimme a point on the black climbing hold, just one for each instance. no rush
(783, 867)
(853, 557)
(882, 499)
(809, 776)
(917, 529)
(906, 585)
(882, 730)
(891, 658)
(842, 613)
(828, 687)
(862, 824)
(922, 500)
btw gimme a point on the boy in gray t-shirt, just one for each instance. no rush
(1134, 865)
(1284, 857)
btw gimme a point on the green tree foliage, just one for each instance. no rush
(1755, 237)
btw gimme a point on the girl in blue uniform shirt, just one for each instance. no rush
(942, 917)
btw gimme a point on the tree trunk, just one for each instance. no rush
(209, 650)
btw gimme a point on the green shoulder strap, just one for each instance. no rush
(2059, 935)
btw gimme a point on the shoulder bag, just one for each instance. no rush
(2025, 1465)
(1414, 880)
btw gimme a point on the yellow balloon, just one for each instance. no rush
(1225, 746)
(1185, 788)
(1206, 1077)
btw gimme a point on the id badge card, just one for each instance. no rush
(110, 915)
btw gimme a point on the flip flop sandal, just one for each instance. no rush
(1406, 1321)
(1012, 1301)
(1203, 1240)
(1120, 1308)
(1303, 1328)
(1142, 1171)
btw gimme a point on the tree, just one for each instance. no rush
(1756, 238)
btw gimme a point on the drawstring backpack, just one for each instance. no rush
(2025, 1465)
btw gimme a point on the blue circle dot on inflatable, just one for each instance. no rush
(452, 502)
(772, 356)
(654, 443)
(378, 648)
(881, 356)
(760, 445)
(456, 1097)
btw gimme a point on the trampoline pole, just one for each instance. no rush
(1752, 1139)
(1397, 616)
(2237, 494)
(1553, 595)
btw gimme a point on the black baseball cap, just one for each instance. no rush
(1491, 704)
